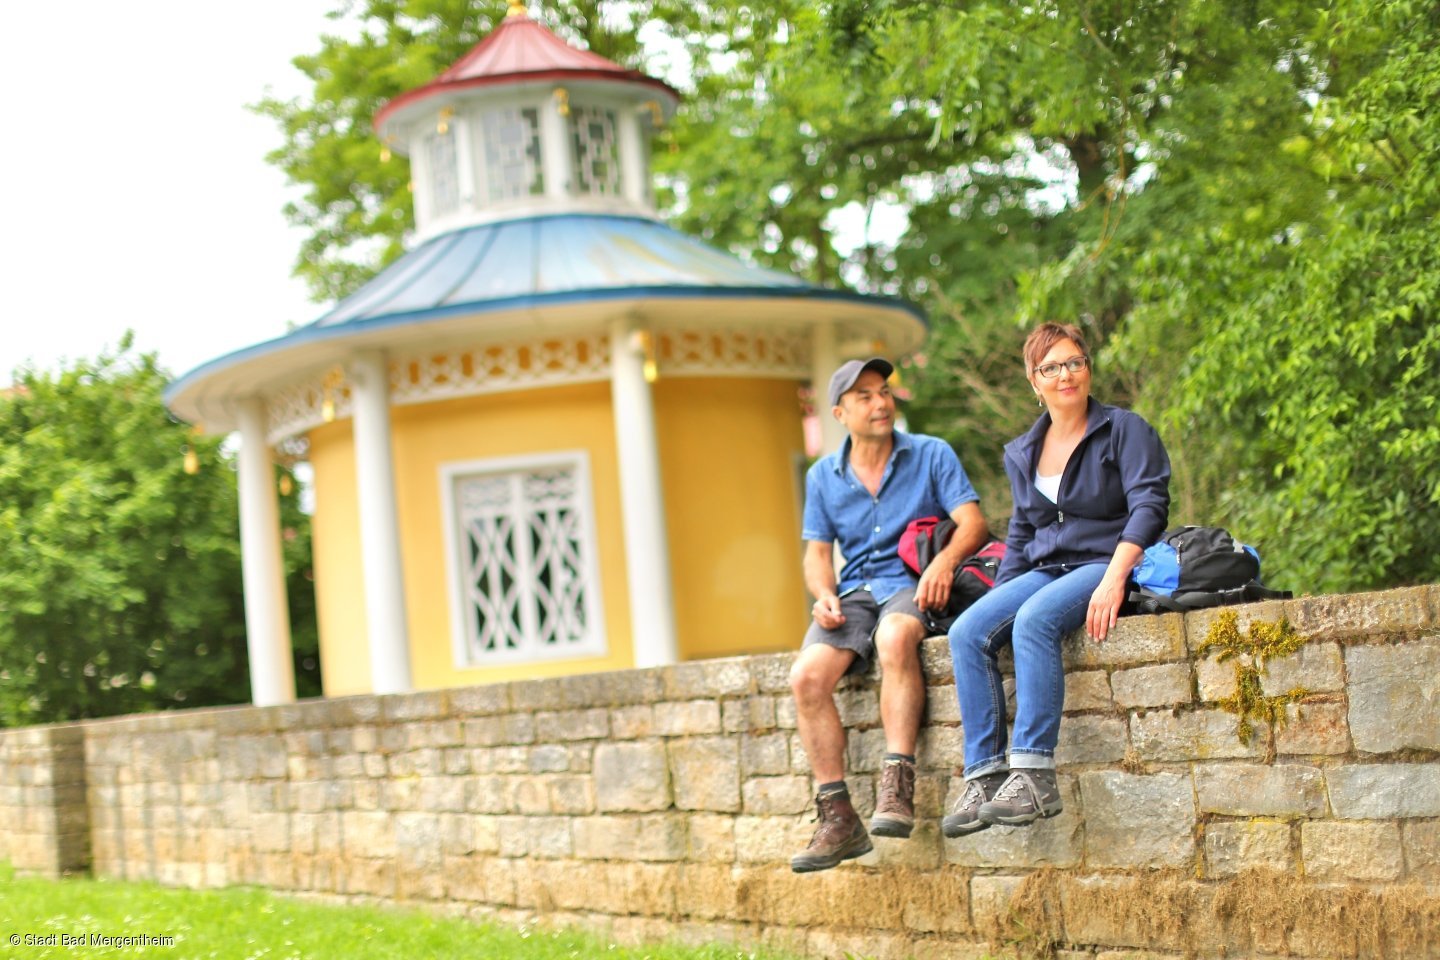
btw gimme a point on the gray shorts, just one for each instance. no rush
(857, 633)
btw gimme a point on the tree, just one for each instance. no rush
(120, 586)
(1235, 201)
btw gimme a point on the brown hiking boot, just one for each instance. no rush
(840, 836)
(895, 801)
(966, 816)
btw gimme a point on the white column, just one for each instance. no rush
(634, 179)
(555, 148)
(379, 525)
(642, 502)
(824, 358)
(267, 616)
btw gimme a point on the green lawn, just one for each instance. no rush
(252, 924)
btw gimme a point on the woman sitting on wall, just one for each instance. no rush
(1091, 490)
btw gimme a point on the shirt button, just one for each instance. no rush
(877, 529)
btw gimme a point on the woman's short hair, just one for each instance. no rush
(1045, 336)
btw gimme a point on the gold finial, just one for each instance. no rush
(517, 9)
(446, 115)
(562, 101)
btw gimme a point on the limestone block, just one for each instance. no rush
(1135, 912)
(688, 718)
(571, 794)
(1382, 791)
(921, 851)
(531, 695)
(711, 839)
(1314, 668)
(1091, 739)
(631, 776)
(401, 794)
(456, 761)
(700, 679)
(938, 748)
(1134, 641)
(941, 705)
(483, 701)
(865, 750)
(487, 795)
(1391, 682)
(632, 723)
(506, 728)
(270, 832)
(1257, 790)
(858, 708)
(763, 796)
(1057, 841)
(1312, 729)
(1351, 851)
(585, 691)
(529, 795)
(549, 758)
(772, 672)
(1421, 840)
(764, 754)
(935, 661)
(1163, 735)
(426, 705)
(1199, 622)
(417, 839)
(1138, 821)
(412, 763)
(658, 837)
(990, 898)
(770, 839)
(1243, 845)
(752, 714)
(1086, 690)
(1154, 686)
(565, 726)
(705, 773)
(1407, 610)
(785, 713)
(367, 834)
(372, 877)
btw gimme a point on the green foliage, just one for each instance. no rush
(241, 923)
(1237, 202)
(120, 587)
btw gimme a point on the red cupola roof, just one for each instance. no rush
(521, 50)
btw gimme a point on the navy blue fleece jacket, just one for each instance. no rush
(1116, 487)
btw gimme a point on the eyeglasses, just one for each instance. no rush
(1052, 370)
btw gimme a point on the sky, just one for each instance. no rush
(138, 195)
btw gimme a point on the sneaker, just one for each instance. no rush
(1027, 796)
(895, 801)
(966, 817)
(840, 836)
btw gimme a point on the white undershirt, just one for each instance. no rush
(1049, 486)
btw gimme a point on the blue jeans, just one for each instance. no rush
(1033, 612)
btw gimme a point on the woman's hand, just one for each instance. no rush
(1105, 605)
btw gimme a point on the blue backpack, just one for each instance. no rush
(1195, 567)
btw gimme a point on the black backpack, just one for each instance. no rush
(974, 577)
(1195, 567)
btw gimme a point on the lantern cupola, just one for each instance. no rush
(525, 124)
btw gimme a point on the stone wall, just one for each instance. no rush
(665, 803)
(44, 817)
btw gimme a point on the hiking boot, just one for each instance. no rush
(966, 817)
(840, 836)
(1027, 796)
(895, 801)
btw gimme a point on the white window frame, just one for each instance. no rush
(464, 642)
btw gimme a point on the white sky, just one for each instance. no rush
(138, 196)
(137, 192)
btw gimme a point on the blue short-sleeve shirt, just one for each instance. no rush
(923, 478)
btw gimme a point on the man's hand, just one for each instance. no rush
(933, 590)
(827, 612)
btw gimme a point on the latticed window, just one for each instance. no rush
(512, 153)
(597, 164)
(523, 560)
(444, 174)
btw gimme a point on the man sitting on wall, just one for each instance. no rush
(863, 497)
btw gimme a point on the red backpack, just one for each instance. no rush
(926, 537)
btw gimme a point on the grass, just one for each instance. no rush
(244, 923)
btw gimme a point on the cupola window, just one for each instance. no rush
(512, 154)
(444, 173)
(596, 155)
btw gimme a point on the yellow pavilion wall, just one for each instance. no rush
(731, 455)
